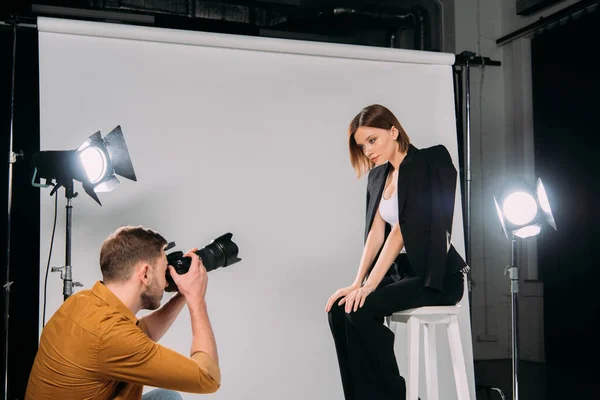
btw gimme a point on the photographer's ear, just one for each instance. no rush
(144, 273)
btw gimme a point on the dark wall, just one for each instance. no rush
(566, 90)
(25, 215)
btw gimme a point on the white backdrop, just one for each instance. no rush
(244, 135)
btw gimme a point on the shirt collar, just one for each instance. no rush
(109, 298)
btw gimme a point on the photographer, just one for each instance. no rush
(94, 347)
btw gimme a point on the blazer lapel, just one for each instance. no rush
(376, 190)
(404, 174)
(377, 185)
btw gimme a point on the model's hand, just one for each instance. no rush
(192, 284)
(339, 293)
(356, 299)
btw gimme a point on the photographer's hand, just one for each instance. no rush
(192, 285)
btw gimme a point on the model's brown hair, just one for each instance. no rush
(126, 247)
(373, 116)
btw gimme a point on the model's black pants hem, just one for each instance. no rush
(365, 346)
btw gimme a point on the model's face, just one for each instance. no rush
(377, 144)
(153, 295)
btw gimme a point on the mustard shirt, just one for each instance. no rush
(93, 347)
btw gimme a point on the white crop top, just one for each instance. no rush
(388, 209)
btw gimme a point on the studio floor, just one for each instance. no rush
(536, 381)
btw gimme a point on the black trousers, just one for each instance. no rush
(365, 346)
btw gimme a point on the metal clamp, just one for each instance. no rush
(62, 275)
(16, 156)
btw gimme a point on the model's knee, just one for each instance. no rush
(360, 316)
(335, 314)
(336, 311)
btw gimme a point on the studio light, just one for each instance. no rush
(523, 212)
(95, 164)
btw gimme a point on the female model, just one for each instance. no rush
(407, 260)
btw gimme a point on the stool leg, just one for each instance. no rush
(412, 328)
(431, 373)
(458, 359)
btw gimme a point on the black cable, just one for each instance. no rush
(49, 257)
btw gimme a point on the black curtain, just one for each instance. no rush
(25, 215)
(566, 89)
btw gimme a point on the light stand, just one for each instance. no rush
(513, 274)
(68, 278)
(522, 211)
(66, 271)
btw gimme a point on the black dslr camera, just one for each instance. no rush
(220, 252)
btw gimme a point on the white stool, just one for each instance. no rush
(429, 317)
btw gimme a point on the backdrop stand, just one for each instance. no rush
(12, 159)
(463, 62)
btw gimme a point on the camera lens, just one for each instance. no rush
(220, 252)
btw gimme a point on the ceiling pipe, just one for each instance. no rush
(269, 15)
(249, 16)
(417, 16)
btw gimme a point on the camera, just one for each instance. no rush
(220, 252)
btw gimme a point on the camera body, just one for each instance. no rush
(220, 252)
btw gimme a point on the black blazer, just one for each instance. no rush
(426, 189)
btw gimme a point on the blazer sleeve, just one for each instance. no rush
(443, 177)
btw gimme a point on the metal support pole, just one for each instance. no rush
(66, 270)
(513, 273)
(468, 172)
(68, 278)
(12, 158)
(66, 273)
(465, 60)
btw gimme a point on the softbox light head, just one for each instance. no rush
(521, 209)
(95, 164)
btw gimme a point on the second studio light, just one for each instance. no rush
(523, 209)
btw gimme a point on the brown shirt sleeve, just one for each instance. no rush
(126, 354)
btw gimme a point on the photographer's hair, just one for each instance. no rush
(126, 247)
(373, 116)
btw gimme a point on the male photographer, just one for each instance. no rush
(94, 347)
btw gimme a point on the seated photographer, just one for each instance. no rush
(94, 347)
